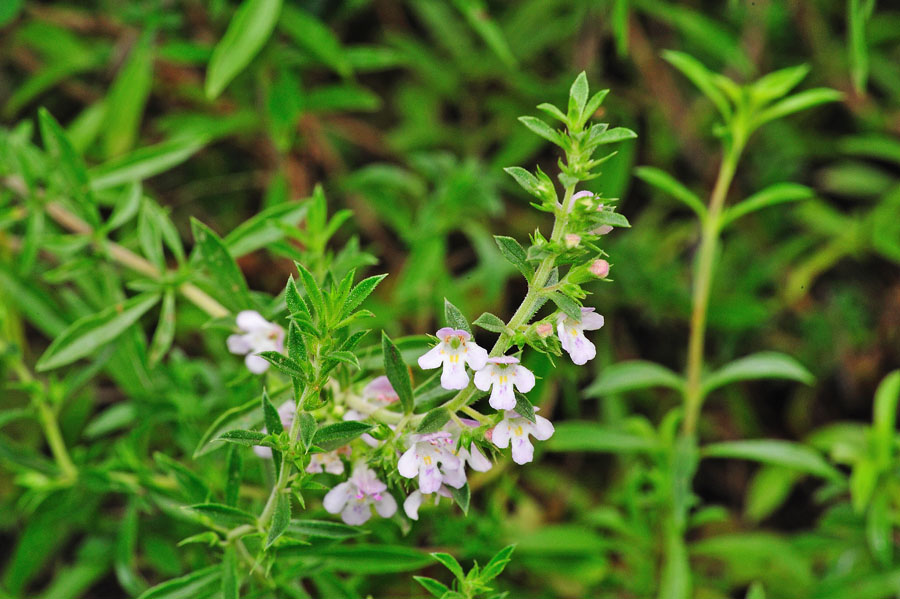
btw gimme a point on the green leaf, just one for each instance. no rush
(524, 407)
(884, 419)
(779, 193)
(127, 98)
(858, 12)
(86, 335)
(434, 420)
(527, 181)
(462, 497)
(295, 304)
(315, 38)
(363, 558)
(476, 14)
(284, 364)
(756, 591)
(264, 228)
(567, 305)
(762, 365)
(191, 485)
(323, 529)
(397, 373)
(578, 95)
(451, 564)
(224, 515)
(313, 291)
(308, 426)
(280, 519)
(145, 162)
(777, 84)
(515, 254)
(437, 589)
(359, 293)
(665, 182)
(632, 375)
(490, 322)
(455, 318)
(221, 266)
(244, 416)
(230, 584)
(497, 564)
(188, 586)
(165, 329)
(797, 102)
(126, 544)
(235, 469)
(332, 436)
(574, 435)
(700, 76)
(247, 33)
(542, 129)
(69, 164)
(271, 416)
(611, 136)
(242, 437)
(768, 490)
(776, 452)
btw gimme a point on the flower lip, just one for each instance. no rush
(586, 310)
(504, 360)
(446, 333)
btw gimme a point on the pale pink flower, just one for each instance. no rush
(355, 498)
(514, 430)
(258, 335)
(571, 334)
(502, 374)
(454, 351)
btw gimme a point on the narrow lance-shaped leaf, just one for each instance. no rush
(221, 266)
(86, 335)
(165, 329)
(247, 32)
(797, 102)
(779, 193)
(195, 584)
(762, 365)
(280, 519)
(455, 317)
(359, 293)
(664, 181)
(397, 373)
(777, 452)
(332, 436)
(515, 254)
(700, 76)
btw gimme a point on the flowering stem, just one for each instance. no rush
(703, 274)
(122, 255)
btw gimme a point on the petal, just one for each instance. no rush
(255, 364)
(591, 321)
(500, 436)
(502, 397)
(522, 450)
(523, 378)
(477, 461)
(263, 451)
(251, 320)
(315, 466)
(432, 358)
(411, 505)
(454, 376)
(335, 467)
(476, 356)
(357, 512)
(483, 378)
(386, 506)
(582, 350)
(336, 498)
(455, 478)
(542, 429)
(564, 338)
(238, 344)
(408, 466)
(430, 479)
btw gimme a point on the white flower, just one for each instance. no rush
(502, 373)
(431, 457)
(454, 351)
(258, 335)
(286, 414)
(355, 497)
(514, 430)
(415, 499)
(328, 462)
(380, 390)
(571, 334)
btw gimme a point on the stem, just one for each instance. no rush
(703, 274)
(123, 255)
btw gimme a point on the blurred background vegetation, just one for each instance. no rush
(405, 112)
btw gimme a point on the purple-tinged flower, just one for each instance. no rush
(258, 335)
(572, 240)
(587, 195)
(380, 390)
(513, 431)
(571, 334)
(502, 373)
(599, 268)
(355, 497)
(454, 351)
(286, 414)
(544, 330)
(412, 503)
(431, 457)
(329, 462)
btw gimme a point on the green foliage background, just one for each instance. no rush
(406, 113)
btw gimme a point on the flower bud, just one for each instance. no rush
(544, 330)
(572, 240)
(600, 268)
(603, 229)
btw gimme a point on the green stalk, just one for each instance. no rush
(703, 274)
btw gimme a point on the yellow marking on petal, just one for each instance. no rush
(454, 358)
(427, 460)
(518, 431)
(503, 379)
